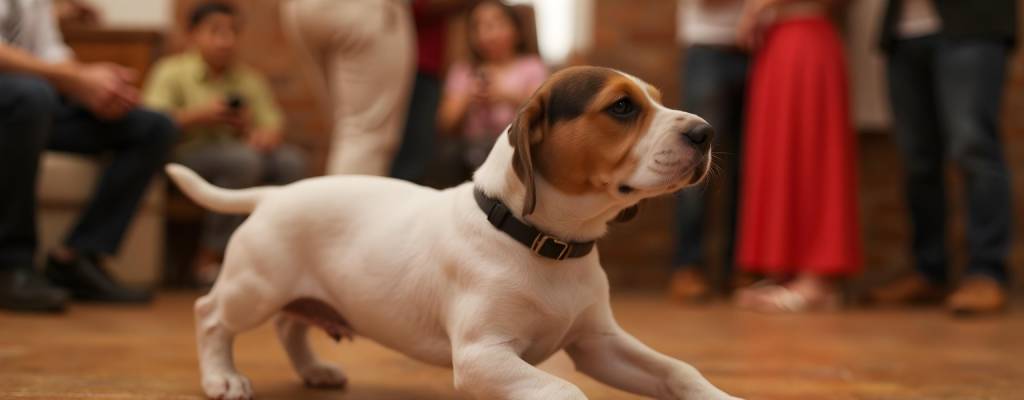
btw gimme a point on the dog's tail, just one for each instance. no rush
(214, 198)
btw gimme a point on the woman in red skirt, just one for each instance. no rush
(798, 213)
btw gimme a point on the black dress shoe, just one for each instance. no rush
(24, 289)
(87, 280)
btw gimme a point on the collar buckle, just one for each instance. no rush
(543, 240)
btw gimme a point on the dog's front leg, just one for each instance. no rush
(607, 353)
(496, 372)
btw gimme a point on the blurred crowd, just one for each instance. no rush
(769, 75)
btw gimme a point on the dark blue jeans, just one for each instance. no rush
(417, 149)
(714, 87)
(946, 102)
(34, 118)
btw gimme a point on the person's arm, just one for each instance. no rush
(105, 89)
(452, 112)
(102, 88)
(268, 120)
(13, 59)
(455, 101)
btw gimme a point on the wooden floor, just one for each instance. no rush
(101, 352)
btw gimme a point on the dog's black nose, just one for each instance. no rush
(700, 135)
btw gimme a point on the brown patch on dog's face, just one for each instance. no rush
(580, 130)
(593, 130)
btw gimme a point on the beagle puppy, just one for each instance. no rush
(490, 277)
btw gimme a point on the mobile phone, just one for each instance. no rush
(235, 102)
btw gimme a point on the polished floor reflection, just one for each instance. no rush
(99, 352)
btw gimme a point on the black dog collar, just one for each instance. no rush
(539, 242)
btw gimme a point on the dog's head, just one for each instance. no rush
(598, 130)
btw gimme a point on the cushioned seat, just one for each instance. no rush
(66, 183)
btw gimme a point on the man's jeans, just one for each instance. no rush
(946, 102)
(34, 118)
(714, 87)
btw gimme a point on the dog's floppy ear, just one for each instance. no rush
(525, 132)
(627, 214)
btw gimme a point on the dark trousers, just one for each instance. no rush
(946, 102)
(714, 87)
(417, 149)
(34, 118)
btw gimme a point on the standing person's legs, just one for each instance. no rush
(969, 78)
(714, 86)
(920, 137)
(417, 148)
(366, 51)
(27, 109)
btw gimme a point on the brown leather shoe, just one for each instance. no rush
(688, 285)
(908, 290)
(978, 295)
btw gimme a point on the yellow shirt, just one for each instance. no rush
(184, 82)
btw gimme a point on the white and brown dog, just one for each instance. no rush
(490, 277)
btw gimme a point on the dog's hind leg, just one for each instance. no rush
(293, 333)
(220, 379)
(232, 307)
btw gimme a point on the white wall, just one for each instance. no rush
(563, 26)
(135, 13)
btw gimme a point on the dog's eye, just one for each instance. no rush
(623, 108)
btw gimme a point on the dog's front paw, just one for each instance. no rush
(227, 386)
(323, 376)
(690, 385)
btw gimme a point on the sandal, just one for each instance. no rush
(769, 297)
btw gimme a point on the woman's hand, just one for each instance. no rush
(750, 31)
(486, 91)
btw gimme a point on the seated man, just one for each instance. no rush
(231, 126)
(50, 101)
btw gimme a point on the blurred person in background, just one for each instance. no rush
(231, 126)
(947, 69)
(481, 95)
(714, 79)
(798, 223)
(50, 101)
(418, 140)
(362, 57)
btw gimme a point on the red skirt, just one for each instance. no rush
(799, 210)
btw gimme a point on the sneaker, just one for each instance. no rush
(24, 289)
(978, 295)
(908, 290)
(86, 279)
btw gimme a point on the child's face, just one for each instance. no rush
(216, 38)
(494, 34)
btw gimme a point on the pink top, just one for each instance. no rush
(525, 75)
